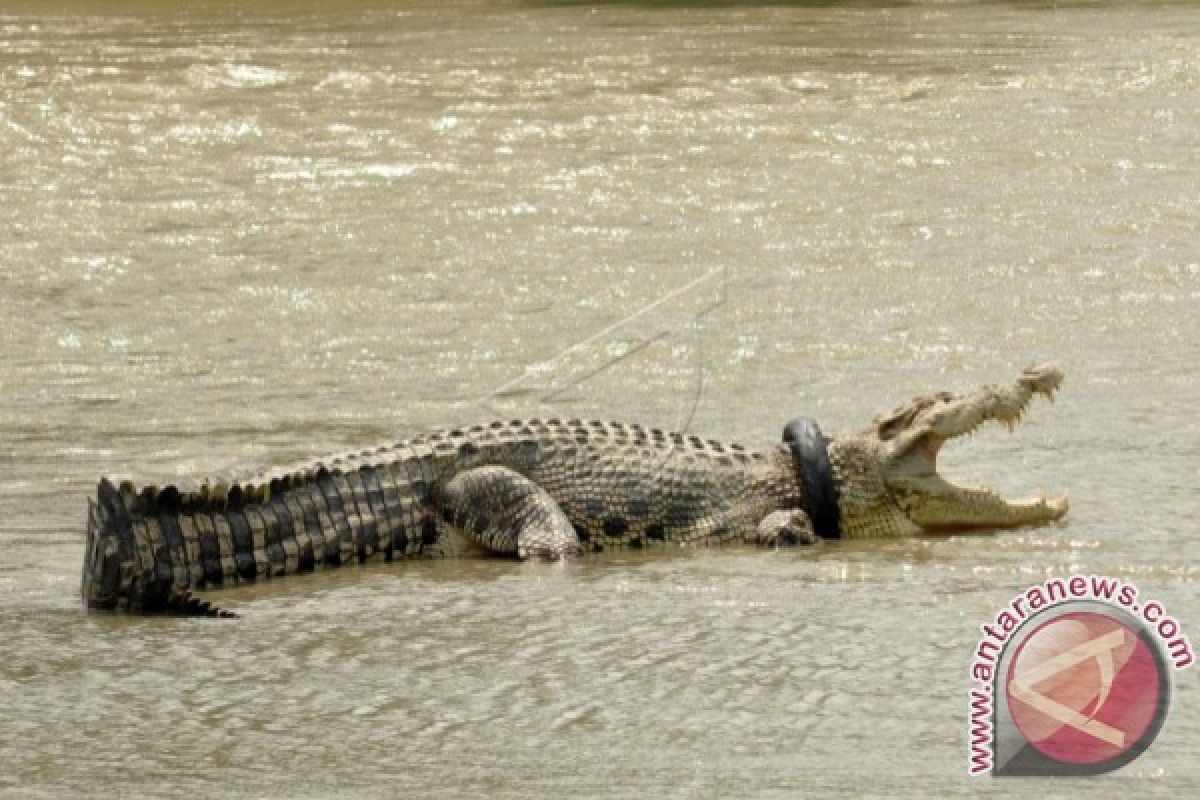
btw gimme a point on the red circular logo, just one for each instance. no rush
(1084, 688)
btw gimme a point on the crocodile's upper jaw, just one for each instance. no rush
(906, 443)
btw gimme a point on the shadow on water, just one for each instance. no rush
(670, 563)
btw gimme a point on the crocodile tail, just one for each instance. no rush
(109, 532)
(186, 604)
(121, 570)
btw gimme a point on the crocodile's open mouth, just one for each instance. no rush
(931, 500)
(930, 444)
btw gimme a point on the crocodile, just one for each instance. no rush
(552, 489)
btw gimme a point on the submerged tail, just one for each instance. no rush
(124, 569)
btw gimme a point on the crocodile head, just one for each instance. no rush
(887, 474)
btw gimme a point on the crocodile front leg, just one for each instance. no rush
(786, 529)
(505, 512)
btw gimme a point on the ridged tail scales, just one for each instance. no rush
(125, 567)
(145, 549)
